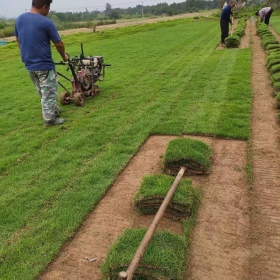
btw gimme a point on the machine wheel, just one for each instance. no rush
(78, 99)
(65, 98)
(96, 90)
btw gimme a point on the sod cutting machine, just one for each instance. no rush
(86, 71)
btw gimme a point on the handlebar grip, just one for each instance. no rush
(60, 63)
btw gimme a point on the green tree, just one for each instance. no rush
(274, 3)
(108, 9)
(114, 14)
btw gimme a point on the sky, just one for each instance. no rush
(16, 7)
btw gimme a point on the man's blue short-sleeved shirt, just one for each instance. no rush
(34, 32)
(226, 12)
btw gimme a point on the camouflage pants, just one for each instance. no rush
(46, 83)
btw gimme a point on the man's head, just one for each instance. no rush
(257, 13)
(43, 6)
(232, 3)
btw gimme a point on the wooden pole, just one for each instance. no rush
(149, 234)
(122, 275)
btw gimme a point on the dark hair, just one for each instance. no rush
(257, 13)
(41, 3)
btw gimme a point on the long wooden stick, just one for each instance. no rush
(149, 234)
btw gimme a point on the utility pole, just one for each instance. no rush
(142, 9)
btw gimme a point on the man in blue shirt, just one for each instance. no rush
(226, 20)
(34, 32)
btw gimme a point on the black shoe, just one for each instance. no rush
(55, 122)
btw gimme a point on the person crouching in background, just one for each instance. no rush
(265, 14)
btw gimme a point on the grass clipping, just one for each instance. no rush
(193, 154)
(154, 189)
(164, 259)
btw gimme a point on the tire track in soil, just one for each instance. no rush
(265, 212)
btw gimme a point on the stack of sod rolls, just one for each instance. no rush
(272, 49)
(153, 190)
(193, 154)
(165, 257)
(233, 41)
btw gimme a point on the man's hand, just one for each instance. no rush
(66, 57)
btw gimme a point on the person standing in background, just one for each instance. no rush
(226, 20)
(34, 33)
(265, 14)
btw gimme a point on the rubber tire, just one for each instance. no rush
(64, 98)
(78, 99)
(96, 90)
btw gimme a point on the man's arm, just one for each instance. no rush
(18, 43)
(61, 49)
(261, 14)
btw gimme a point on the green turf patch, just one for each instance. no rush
(274, 69)
(232, 41)
(276, 86)
(193, 154)
(165, 257)
(153, 190)
(272, 61)
(278, 101)
(272, 47)
(275, 77)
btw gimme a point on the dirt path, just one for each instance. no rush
(237, 235)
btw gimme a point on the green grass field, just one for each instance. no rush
(166, 78)
(275, 21)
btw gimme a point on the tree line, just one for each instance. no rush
(138, 11)
(187, 6)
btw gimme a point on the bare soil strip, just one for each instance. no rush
(245, 40)
(220, 248)
(237, 235)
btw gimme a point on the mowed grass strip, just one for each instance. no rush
(192, 154)
(153, 190)
(275, 21)
(165, 257)
(52, 178)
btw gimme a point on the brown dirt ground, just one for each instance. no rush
(237, 234)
